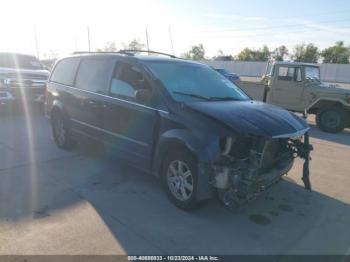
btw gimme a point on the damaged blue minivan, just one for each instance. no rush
(177, 119)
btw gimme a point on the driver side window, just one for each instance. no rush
(126, 80)
(286, 73)
(289, 74)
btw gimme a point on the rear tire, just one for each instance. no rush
(61, 131)
(179, 177)
(331, 120)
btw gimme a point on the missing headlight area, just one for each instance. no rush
(248, 165)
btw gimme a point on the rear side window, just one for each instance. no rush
(64, 72)
(94, 74)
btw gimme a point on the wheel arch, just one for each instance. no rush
(185, 140)
(179, 139)
(342, 113)
(327, 102)
(57, 107)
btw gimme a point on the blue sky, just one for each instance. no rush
(219, 25)
(266, 8)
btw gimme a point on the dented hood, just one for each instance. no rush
(254, 118)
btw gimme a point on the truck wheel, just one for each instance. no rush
(331, 120)
(179, 177)
(61, 131)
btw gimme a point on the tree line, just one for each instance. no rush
(338, 53)
(308, 53)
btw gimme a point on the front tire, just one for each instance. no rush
(61, 131)
(331, 120)
(179, 175)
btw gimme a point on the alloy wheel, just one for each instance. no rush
(60, 131)
(180, 180)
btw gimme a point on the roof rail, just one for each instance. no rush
(129, 52)
(91, 52)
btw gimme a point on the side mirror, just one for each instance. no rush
(308, 81)
(139, 77)
(143, 95)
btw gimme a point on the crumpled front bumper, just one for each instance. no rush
(235, 187)
(265, 180)
(240, 178)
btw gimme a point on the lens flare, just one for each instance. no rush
(24, 105)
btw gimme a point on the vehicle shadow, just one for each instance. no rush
(339, 138)
(45, 196)
(286, 219)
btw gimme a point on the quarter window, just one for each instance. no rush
(94, 74)
(65, 70)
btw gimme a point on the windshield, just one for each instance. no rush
(188, 82)
(312, 73)
(20, 61)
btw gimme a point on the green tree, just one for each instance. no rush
(254, 55)
(280, 53)
(222, 57)
(109, 47)
(135, 45)
(196, 52)
(52, 54)
(263, 54)
(337, 54)
(246, 55)
(306, 53)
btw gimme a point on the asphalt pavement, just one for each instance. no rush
(85, 201)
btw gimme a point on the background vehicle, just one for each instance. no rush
(22, 79)
(297, 87)
(177, 119)
(231, 76)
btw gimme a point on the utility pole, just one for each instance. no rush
(88, 36)
(147, 40)
(36, 42)
(171, 41)
(75, 43)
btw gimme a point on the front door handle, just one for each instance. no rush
(93, 102)
(107, 106)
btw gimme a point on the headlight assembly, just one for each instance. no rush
(226, 145)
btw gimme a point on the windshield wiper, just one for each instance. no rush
(223, 98)
(192, 95)
(211, 98)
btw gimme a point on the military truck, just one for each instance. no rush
(297, 87)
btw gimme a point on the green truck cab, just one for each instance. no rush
(297, 87)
